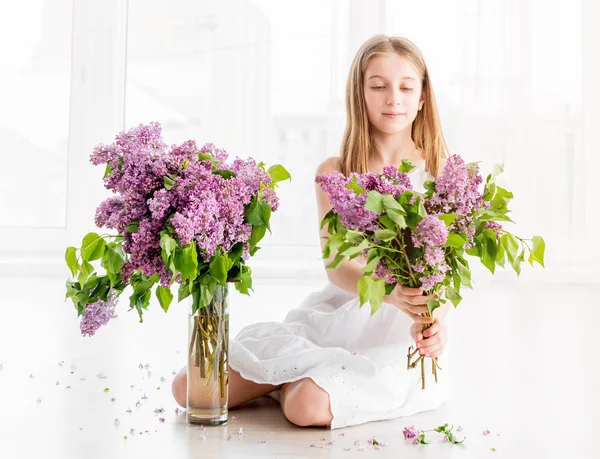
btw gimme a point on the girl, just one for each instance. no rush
(330, 363)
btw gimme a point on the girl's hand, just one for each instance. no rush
(412, 302)
(432, 341)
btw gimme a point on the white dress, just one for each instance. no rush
(359, 359)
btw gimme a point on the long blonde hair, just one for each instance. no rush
(426, 129)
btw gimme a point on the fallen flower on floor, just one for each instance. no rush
(410, 432)
(229, 437)
(106, 389)
(117, 422)
(486, 432)
(161, 419)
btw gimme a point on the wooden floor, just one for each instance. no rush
(525, 367)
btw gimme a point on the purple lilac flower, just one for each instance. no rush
(456, 191)
(428, 282)
(349, 205)
(431, 231)
(494, 226)
(410, 432)
(98, 313)
(384, 272)
(200, 205)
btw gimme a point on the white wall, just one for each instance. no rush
(516, 83)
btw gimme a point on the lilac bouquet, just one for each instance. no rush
(420, 239)
(181, 214)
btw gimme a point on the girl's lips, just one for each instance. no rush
(393, 115)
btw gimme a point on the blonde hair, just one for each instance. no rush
(426, 129)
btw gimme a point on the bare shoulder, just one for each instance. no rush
(329, 165)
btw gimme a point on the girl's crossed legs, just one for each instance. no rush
(303, 402)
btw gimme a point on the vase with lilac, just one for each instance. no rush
(420, 239)
(180, 215)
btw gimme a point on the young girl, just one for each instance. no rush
(330, 363)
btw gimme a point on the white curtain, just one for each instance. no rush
(514, 81)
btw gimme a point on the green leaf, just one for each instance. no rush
(245, 281)
(226, 174)
(167, 243)
(333, 244)
(354, 186)
(218, 269)
(510, 245)
(374, 202)
(184, 291)
(85, 270)
(254, 214)
(448, 219)
(355, 249)
(258, 233)
(464, 272)
(385, 235)
(133, 227)
(372, 262)
(453, 296)
(455, 240)
(396, 218)
(500, 255)
(387, 222)
(107, 171)
(186, 261)
(517, 263)
(432, 305)
(336, 262)
(168, 182)
(488, 256)
(406, 166)
(390, 203)
(164, 296)
(371, 290)
(539, 247)
(92, 247)
(208, 285)
(279, 173)
(353, 236)
(71, 259)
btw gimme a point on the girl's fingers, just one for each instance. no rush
(410, 291)
(420, 319)
(427, 351)
(417, 309)
(435, 328)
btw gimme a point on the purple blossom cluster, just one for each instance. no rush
(431, 234)
(350, 206)
(383, 271)
(199, 204)
(98, 314)
(456, 191)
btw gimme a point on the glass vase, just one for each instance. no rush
(208, 370)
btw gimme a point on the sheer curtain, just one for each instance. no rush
(266, 78)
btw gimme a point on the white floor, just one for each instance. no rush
(525, 366)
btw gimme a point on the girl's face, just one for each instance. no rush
(393, 95)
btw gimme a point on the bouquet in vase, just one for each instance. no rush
(420, 240)
(180, 214)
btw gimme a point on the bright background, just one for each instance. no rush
(516, 83)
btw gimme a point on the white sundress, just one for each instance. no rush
(359, 359)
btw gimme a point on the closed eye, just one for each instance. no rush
(382, 87)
